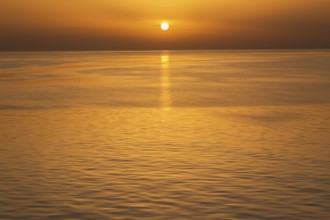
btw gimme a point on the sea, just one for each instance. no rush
(165, 135)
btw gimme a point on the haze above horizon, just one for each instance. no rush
(135, 25)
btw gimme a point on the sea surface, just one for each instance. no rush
(165, 135)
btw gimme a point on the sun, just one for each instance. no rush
(164, 26)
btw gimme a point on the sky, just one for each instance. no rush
(135, 24)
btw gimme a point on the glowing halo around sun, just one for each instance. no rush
(164, 26)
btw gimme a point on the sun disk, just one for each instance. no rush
(164, 26)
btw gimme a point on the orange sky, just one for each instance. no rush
(134, 24)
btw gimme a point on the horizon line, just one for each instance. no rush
(136, 50)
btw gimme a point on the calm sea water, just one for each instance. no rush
(165, 135)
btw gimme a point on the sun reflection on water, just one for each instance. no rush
(165, 97)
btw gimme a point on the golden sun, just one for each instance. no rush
(164, 26)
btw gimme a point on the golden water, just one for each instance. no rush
(165, 135)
